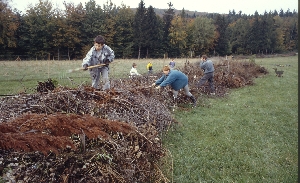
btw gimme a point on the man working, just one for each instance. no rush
(208, 67)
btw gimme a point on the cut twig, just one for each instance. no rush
(143, 136)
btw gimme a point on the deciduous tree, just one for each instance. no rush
(204, 35)
(39, 29)
(9, 23)
(74, 15)
(178, 34)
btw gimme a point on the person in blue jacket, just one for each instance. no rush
(177, 80)
(100, 53)
(208, 67)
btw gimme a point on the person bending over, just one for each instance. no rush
(177, 80)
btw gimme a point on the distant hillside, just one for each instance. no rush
(161, 12)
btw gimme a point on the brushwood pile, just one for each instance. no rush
(81, 135)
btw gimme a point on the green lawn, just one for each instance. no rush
(23, 76)
(249, 136)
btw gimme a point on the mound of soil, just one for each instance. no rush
(74, 148)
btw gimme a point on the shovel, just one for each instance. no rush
(90, 67)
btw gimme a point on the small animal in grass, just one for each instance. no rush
(278, 73)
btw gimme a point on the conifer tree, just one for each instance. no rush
(222, 42)
(167, 18)
(139, 27)
(123, 44)
(153, 34)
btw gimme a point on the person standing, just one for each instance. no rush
(177, 80)
(149, 68)
(100, 53)
(172, 64)
(133, 71)
(208, 67)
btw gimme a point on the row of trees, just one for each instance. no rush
(44, 31)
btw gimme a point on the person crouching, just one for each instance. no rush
(177, 80)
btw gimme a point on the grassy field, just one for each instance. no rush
(249, 136)
(23, 76)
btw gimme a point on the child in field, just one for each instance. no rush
(177, 80)
(100, 53)
(172, 64)
(133, 71)
(149, 68)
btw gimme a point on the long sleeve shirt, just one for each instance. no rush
(149, 66)
(176, 79)
(207, 66)
(172, 64)
(133, 71)
(94, 57)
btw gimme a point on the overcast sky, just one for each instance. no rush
(211, 6)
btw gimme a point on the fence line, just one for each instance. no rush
(31, 58)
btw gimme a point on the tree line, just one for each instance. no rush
(44, 32)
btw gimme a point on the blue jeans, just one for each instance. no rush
(95, 74)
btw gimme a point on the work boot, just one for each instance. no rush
(193, 100)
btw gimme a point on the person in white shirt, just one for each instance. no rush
(133, 71)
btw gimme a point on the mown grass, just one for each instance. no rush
(249, 136)
(23, 76)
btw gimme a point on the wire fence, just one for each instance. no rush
(29, 57)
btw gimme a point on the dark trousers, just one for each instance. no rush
(210, 78)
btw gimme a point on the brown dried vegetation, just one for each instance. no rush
(82, 135)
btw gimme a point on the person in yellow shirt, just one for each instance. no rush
(149, 68)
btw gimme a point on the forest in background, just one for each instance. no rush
(44, 32)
